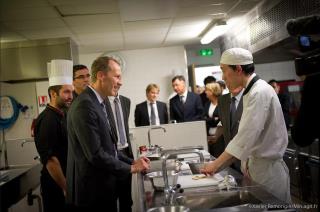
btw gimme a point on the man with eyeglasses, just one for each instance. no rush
(81, 79)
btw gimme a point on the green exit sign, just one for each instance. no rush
(206, 52)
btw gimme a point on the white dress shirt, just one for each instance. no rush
(184, 99)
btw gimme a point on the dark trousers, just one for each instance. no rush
(124, 190)
(52, 195)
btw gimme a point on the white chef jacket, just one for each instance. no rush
(262, 131)
(262, 139)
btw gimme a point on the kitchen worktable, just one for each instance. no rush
(248, 196)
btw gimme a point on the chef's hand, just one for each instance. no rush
(209, 168)
(140, 165)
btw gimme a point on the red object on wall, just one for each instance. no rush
(42, 101)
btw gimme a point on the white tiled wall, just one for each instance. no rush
(278, 71)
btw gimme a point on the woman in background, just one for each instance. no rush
(213, 91)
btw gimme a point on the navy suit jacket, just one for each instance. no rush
(93, 165)
(214, 120)
(229, 129)
(141, 115)
(191, 110)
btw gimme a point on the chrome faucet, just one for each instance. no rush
(154, 128)
(169, 191)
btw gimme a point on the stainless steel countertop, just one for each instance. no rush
(148, 198)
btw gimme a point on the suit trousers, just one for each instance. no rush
(124, 190)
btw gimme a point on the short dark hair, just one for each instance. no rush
(222, 84)
(55, 88)
(100, 64)
(209, 79)
(179, 77)
(247, 69)
(272, 81)
(77, 68)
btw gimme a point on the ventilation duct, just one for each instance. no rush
(264, 30)
(27, 60)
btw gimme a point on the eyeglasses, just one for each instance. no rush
(82, 76)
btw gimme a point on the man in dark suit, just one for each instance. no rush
(284, 98)
(224, 102)
(229, 128)
(118, 108)
(95, 165)
(185, 106)
(151, 112)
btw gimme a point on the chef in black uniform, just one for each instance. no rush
(51, 136)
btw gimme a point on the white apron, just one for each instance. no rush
(273, 174)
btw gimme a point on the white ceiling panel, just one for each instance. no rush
(93, 36)
(147, 25)
(196, 3)
(96, 20)
(147, 9)
(101, 45)
(69, 10)
(92, 29)
(108, 25)
(77, 2)
(115, 41)
(196, 29)
(146, 39)
(202, 10)
(192, 20)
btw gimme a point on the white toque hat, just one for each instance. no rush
(236, 56)
(60, 72)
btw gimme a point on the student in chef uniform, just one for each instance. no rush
(51, 136)
(262, 136)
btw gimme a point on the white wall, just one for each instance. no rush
(25, 94)
(144, 66)
(278, 71)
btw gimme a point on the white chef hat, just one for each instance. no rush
(60, 72)
(236, 56)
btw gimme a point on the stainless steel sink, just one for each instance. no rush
(156, 179)
(169, 209)
(4, 173)
(221, 199)
(16, 182)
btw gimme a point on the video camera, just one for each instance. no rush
(307, 31)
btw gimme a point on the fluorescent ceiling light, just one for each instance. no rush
(216, 31)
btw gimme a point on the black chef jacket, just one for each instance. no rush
(51, 138)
